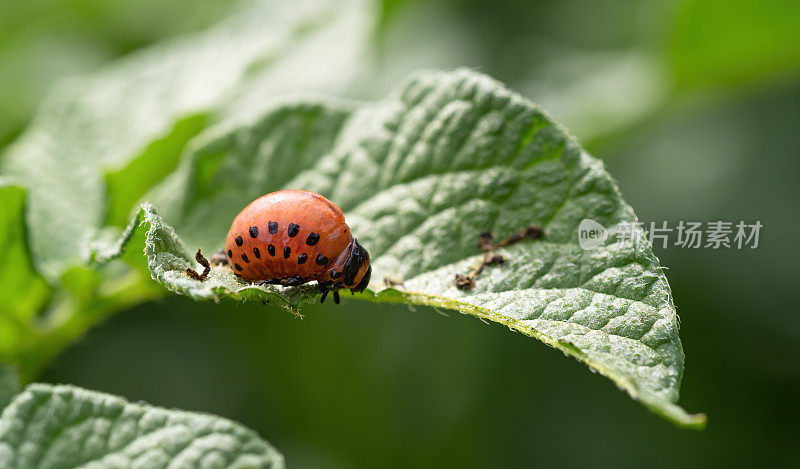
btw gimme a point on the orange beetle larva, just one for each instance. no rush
(292, 237)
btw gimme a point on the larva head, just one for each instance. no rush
(356, 271)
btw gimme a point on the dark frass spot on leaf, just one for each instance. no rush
(486, 244)
(203, 262)
(392, 281)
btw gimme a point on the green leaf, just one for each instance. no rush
(125, 186)
(64, 426)
(109, 121)
(23, 292)
(419, 175)
(9, 385)
(22, 289)
(37, 320)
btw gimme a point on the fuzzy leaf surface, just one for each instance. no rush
(419, 174)
(65, 426)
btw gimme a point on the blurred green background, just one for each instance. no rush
(694, 106)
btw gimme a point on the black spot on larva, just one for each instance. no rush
(302, 258)
(254, 232)
(321, 260)
(257, 253)
(335, 273)
(271, 250)
(244, 258)
(312, 239)
(239, 241)
(272, 227)
(293, 230)
(287, 251)
(237, 267)
(230, 253)
(239, 276)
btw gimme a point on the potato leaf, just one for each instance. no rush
(419, 175)
(64, 426)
